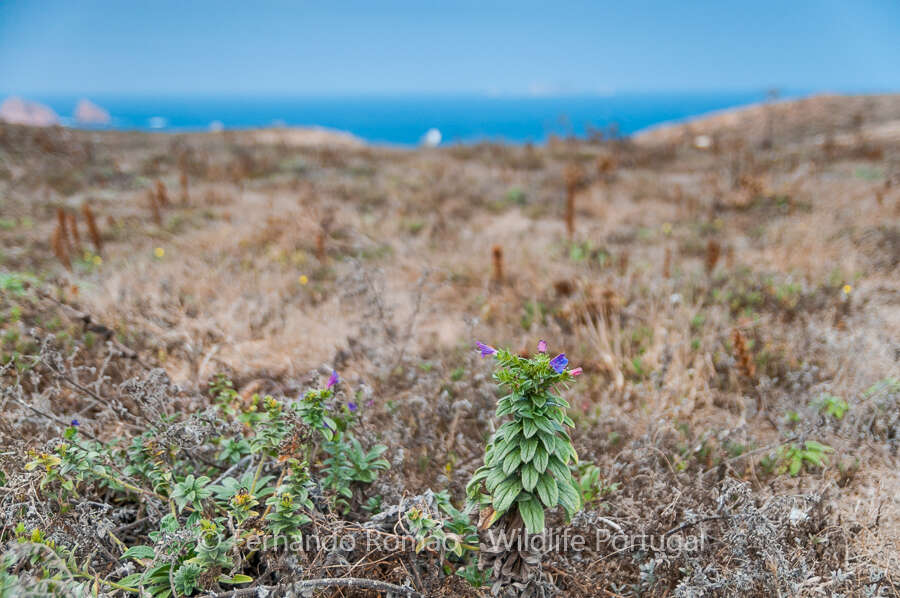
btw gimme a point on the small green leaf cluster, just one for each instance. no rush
(526, 463)
(449, 533)
(832, 406)
(591, 486)
(313, 411)
(348, 462)
(791, 458)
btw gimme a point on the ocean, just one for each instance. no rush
(404, 120)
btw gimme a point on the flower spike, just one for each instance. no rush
(559, 363)
(485, 349)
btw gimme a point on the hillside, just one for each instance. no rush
(734, 305)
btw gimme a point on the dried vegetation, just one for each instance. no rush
(734, 305)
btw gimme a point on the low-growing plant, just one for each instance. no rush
(526, 463)
(591, 486)
(832, 406)
(197, 544)
(793, 457)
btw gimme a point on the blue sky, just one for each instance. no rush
(385, 47)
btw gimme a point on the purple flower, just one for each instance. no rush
(75, 422)
(576, 372)
(352, 407)
(334, 379)
(542, 346)
(485, 349)
(370, 402)
(559, 363)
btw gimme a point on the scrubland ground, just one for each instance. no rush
(730, 287)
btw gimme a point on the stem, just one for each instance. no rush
(280, 479)
(131, 487)
(256, 475)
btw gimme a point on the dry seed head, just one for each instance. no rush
(570, 214)
(623, 263)
(93, 230)
(58, 243)
(574, 178)
(154, 208)
(73, 229)
(713, 252)
(606, 164)
(742, 354)
(497, 253)
(185, 194)
(320, 245)
(162, 196)
(61, 222)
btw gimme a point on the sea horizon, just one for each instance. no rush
(405, 119)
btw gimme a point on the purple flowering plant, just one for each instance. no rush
(313, 408)
(527, 460)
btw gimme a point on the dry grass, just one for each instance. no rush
(699, 289)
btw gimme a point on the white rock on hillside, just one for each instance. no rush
(23, 112)
(89, 113)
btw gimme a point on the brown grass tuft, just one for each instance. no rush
(667, 263)
(742, 354)
(93, 229)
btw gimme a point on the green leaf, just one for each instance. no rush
(504, 447)
(532, 514)
(494, 479)
(528, 448)
(139, 552)
(507, 430)
(545, 424)
(540, 459)
(480, 474)
(569, 498)
(559, 470)
(530, 477)
(505, 407)
(512, 461)
(529, 428)
(239, 578)
(548, 440)
(506, 493)
(547, 490)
